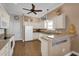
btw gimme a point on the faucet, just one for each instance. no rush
(5, 33)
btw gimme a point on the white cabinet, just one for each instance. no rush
(4, 22)
(4, 18)
(44, 45)
(36, 25)
(58, 46)
(59, 22)
(35, 35)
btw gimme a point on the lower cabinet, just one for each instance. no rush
(50, 48)
(35, 35)
(44, 47)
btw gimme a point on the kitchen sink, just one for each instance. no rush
(7, 37)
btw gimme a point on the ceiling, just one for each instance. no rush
(16, 8)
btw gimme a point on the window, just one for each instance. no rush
(49, 24)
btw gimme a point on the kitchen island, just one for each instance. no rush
(53, 43)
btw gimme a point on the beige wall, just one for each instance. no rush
(71, 11)
(16, 27)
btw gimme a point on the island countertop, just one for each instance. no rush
(3, 41)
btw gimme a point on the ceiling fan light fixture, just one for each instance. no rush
(33, 10)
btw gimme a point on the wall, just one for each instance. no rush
(15, 27)
(71, 11)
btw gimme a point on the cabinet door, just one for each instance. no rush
(35, 35)
(59, 22)
(5, 21)
(44, 46)
(4, 18)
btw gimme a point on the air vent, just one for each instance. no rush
(44, 17)
(16, 17)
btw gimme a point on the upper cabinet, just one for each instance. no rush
(37, 23)
(59, 22)
(4, 18)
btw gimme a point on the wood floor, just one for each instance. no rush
(29, 48)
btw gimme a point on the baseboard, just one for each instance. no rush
(71, 53)
(17, 39)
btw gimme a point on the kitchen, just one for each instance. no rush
(55, 30)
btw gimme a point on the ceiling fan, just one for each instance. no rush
(33, 10)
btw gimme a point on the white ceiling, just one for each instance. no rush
(16, 8)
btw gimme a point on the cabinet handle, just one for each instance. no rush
(56, 43)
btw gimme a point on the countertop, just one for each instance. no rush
(54, 36)
(3, 42)
(44, 31)
(49, 34)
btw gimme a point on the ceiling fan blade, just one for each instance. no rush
(38, 10)
(35, 13)
(29, 12)
(26, 9)
(33, 6)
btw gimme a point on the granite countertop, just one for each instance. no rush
(54, 36)
(3, 41)
(45, 31)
